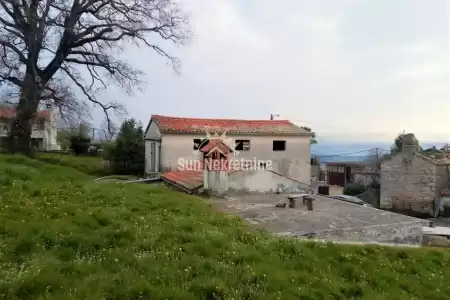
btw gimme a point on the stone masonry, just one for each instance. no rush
(411, 181)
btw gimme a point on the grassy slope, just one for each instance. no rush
(63, 236)
(93, 165)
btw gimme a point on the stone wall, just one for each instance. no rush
(409, 185)
(442, 183)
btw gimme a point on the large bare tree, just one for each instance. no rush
(50, 47)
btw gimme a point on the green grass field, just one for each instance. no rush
(93, 165)
(63, 236)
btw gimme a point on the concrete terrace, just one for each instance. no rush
(330, 220)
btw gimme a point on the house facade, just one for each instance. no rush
(171, 140)
(44, 129)
(343, 173)
(413, 182)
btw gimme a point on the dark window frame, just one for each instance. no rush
(276, 145)
(197, 143)
(240, 146)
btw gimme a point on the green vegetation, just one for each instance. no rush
(93, 165)
(313, 138)
(354, 189)
(64, 236)
(79, 144)
(127, 154)
(65, 135)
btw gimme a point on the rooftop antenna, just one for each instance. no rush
(273, 115)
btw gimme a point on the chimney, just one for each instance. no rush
(410, 146)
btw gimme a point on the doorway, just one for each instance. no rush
(154, 156)
(348, 175)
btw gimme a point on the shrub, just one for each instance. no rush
(354, 189)
(108, 148)
(79, 144)
(127, 156)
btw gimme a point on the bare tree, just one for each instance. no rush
(108, 130)
(47, 47)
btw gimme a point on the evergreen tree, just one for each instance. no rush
(128, 155)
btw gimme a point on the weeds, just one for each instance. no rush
(64, 236)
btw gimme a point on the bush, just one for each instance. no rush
(354, 189)
(79, 144)
(108, 148)
(127, 156)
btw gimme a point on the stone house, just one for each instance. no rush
(44, 130)
(170, 141)
(412, 182)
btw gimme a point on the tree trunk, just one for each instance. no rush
(21, 128)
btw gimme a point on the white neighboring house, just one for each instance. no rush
(44, 133)
(169, 139)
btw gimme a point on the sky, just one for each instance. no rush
(349, 69)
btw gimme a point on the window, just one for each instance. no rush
(279, 145)
(197, 143)
(242, 145)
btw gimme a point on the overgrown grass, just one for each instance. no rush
(63, 236)
(93, 165)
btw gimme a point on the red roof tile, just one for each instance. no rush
(10, 113)
(197, 125)
(190, 180)
(213, 143)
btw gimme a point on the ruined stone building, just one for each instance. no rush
(412, 182)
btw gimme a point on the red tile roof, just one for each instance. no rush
(197, 125)
(10, 113)
(189, 180)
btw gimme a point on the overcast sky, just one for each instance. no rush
(347, 68)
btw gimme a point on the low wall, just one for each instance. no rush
(264, 181)
(399, 233)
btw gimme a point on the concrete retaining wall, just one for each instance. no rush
(400, 233)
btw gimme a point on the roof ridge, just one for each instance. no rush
(224, 119)
(232, 126)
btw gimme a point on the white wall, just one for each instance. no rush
(153, 132)
(263, 182)
(152, 165)
(152, 136)
(48, 134)
(293, 162)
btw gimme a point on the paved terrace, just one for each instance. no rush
(330, 220)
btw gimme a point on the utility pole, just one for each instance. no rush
(93, 133)
(273, 115)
